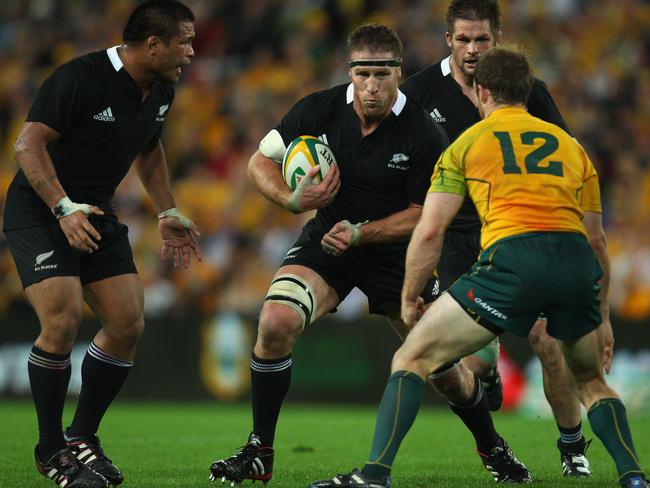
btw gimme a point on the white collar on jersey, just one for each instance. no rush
(115, 58)
(445, 66)
(398, 106)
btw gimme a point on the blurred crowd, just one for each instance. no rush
(255, 58)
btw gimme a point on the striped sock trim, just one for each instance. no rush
(100, 355)
(571, 435)
(276, 366)
(48, 360)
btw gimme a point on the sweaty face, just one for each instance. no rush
(375, 87)
(177, 53)
(468, 42)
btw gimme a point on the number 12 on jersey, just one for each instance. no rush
(534, 157)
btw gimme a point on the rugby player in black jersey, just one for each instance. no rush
(446, 90)
(91, 119)
(367, 207)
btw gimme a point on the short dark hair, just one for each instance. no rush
(507, 73)
(375, 38)
(474, 10)
(160, 18)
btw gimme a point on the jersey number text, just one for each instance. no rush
(534, 158)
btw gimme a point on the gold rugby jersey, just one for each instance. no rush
(523, 175)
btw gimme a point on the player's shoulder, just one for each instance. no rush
(324, 98)
(86, 69)
(426, 78)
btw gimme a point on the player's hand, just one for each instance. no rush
(341, 237)
(606, 335)
(310, 196)
(79, 231)
(179, 240)
(412, 310)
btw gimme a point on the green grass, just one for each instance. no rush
(172, 445)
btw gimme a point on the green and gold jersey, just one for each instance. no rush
(523, 175)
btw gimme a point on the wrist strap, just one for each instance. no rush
(174, 213)
(65, 207)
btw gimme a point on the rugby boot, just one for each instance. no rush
(88, 450)
(64, 469)
(354, 479)
(574, 462)
(251, 462)
(504, 465)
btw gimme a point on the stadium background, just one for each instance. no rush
(254, 59)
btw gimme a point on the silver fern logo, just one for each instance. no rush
(41, 258)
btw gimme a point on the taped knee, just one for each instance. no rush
(294, 292)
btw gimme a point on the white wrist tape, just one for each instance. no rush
(65, 207)
(356, 233)
(172, 212)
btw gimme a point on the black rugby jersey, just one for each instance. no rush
(380, 173)
(435, 88)
(104, 124)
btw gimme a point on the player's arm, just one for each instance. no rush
(594, 226)
(425, 248)
(179, 234)
(265, 171)
(30, 151)
(396, 227)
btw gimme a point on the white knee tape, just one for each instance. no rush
(293, 291)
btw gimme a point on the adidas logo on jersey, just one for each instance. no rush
(105, 115)
(437, 116)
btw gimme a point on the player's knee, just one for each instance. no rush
(126, 330)
(59, 330)
(279, 327)
(549, 353)
(449, 382)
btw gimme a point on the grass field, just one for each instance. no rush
(172, 445)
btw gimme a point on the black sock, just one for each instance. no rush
(270, 380)
(570, 435)
(475, 414)
(102, 376)
(49, 375)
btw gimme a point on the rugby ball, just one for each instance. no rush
(304, 153)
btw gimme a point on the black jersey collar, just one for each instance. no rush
(445, 66)
(115, 58)
(398, 106)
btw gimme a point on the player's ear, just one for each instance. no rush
(399, 73)
(499, 38)
(448, 38)
(152, 42)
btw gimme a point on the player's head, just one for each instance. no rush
(374, 56)
(165, 30)
(473, 27)
(505, 75)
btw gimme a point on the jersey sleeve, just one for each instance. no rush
(448, 175)
(590, 195)
(59, 101)
(430, 146)
(541, 104)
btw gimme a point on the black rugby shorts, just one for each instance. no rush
(43, 252)
(378, 271)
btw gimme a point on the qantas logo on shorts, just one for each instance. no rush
(485, 306)
(41, 258)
